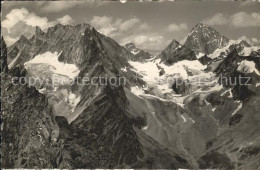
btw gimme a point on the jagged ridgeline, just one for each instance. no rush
(159, 117)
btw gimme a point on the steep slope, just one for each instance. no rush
(4, 65)
(29, 133)
(236, 144)
(112, 131)
(204, 39)
(175, 52)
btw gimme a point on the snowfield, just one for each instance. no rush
(162, 85)
(51, 59)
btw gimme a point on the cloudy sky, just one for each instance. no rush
(150, 25)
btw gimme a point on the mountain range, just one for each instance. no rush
(150, 121)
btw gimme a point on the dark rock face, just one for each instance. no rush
(111, 129)
(19, 52)
(255, 53)
(78, 44)
(205, 39)
(181, 86)
(30, 135)
(231, 77)
(205, 60)
(176, 52)
(4, 66)
(215, 160)
(139, 55)
(111, 136)
(230, 63)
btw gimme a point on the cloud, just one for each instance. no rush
(22, 22)
(9, 40)
(218, 19)
(105, 25)
(23, 15)
(248, 2)
(131, 23)
(57, 6)
(252, 41)
(115, 27)
(242, 19)
(182, 41)
(239, 19)
(130, 30)
(147, 41)
(177, 27)
(65, 20)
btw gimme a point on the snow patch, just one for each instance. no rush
(238, 108)
(247, 67)
(227, 91)
(73, 100)
(193, 121)
(145, 128)
(137, 91)
(200, 55)
(42, 90)
(124, 69)
(184, 119)
(51, 59)
(135, 51)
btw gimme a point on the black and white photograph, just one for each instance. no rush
(130, 84)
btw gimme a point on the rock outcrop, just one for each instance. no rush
(176, 52)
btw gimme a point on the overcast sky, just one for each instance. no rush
(150, 25)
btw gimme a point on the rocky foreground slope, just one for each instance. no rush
(149, 121)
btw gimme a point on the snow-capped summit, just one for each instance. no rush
(204, 39)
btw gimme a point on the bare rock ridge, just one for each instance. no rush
(4, 66)
(176, 52)
(80, 41)
(29, 133)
